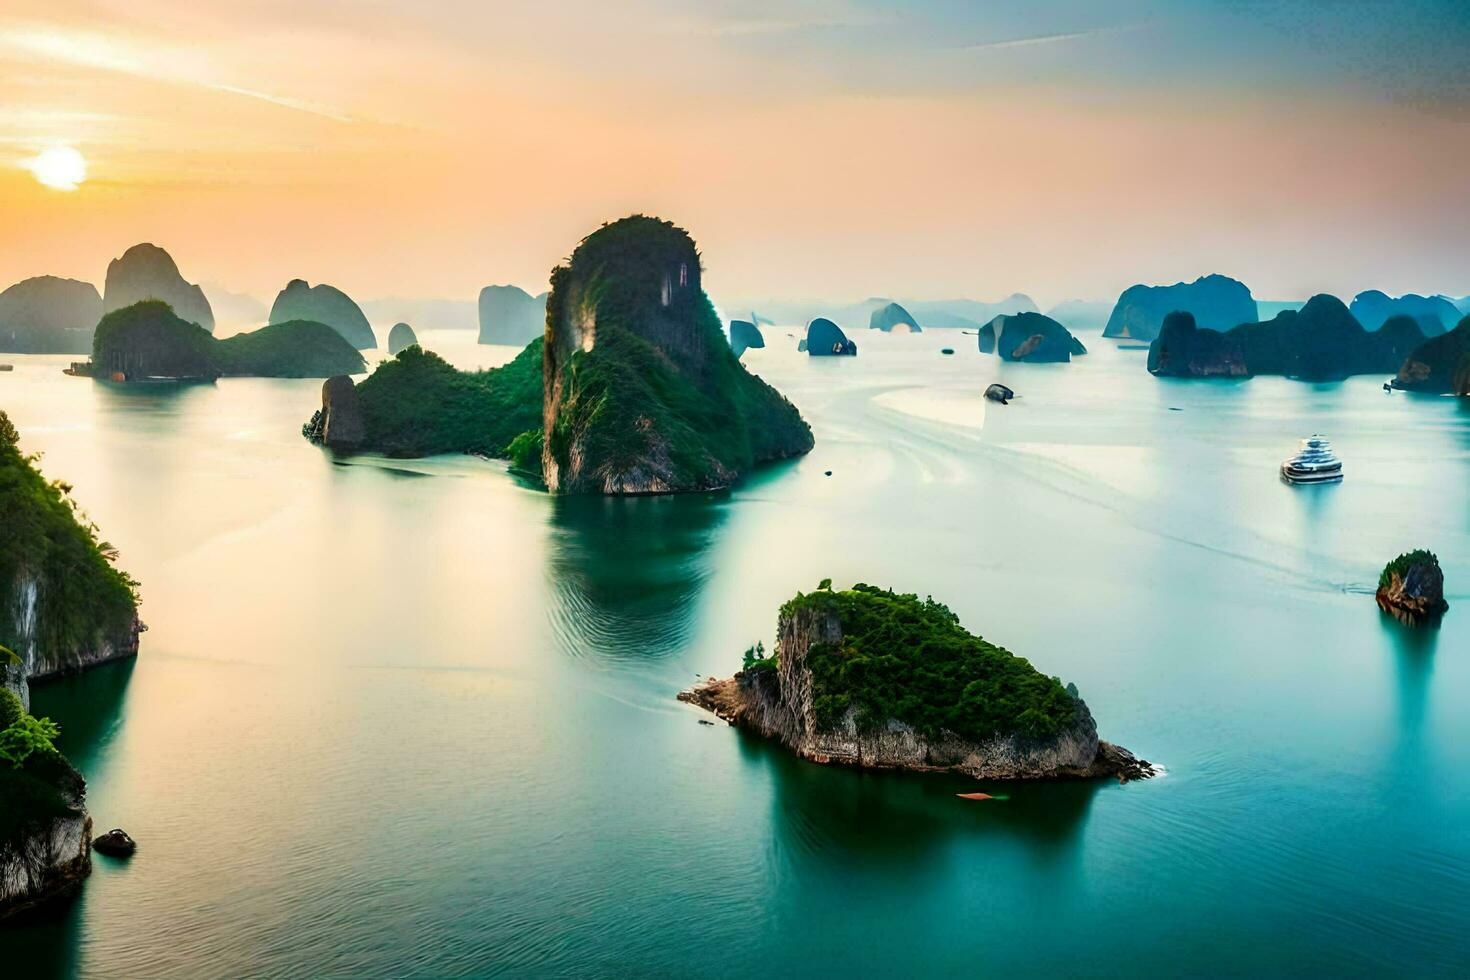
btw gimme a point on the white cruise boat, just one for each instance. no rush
(1314, 462)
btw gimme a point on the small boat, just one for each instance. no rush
(7, 367)
(1314, 462)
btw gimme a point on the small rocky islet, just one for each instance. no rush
(1411, 589)
(882, 680)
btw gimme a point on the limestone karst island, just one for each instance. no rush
(822, 488)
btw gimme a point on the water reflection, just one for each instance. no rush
(824, 814)
(1414, 660)
(627, 573)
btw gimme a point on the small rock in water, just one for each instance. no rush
(828, 473)
(115, 843)
(703, 722)
(1173, 409)
(947, 350)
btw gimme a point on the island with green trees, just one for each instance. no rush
(878, 679)
(1411, 588)
(64, 606)
(633, 389)
(147, 341)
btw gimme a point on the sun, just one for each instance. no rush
(60, 167)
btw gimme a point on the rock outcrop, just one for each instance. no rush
(893, 318)
(744, 335)
(400, 338)
(341, 423)
(46, 858)
(826, 339)
(1029, 337)
(642, 393)
(147, 272)
(1437, 366)
(790, 698)
(1320, 342)
(1434, 314)
(1411, 588)
(1216, 302)
(324, 304)
(49, 315)
(509, 315)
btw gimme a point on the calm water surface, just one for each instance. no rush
(413, 717)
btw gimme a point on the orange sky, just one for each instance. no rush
(817, 150)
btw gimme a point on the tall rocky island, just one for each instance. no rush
(642, 394)
(871, 678)
(64, 606)
(147, 272)
(1216, 303)
(633, 389)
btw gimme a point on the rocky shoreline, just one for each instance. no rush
(751, 700)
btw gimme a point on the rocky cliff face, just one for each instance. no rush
(642, 394)
(146, 272)
(46, 863)
(1435, 366)
(1216, 302)
(780, 704)
(48, 315)
(324, 304)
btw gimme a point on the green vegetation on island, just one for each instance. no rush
(53, 567)
(148, 340)
(909, 659)
(37, 784)
(1400, 565)
(643, 393)
(418, 404)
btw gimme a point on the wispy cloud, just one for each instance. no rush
(1059, 38)
(109, 54)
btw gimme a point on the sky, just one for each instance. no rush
(831, 149)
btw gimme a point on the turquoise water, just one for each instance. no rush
(413, 717)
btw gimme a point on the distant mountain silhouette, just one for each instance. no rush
(510, 315)
(1217, 303)
(49, 315)
(1321, 342)
(400, 338)
(893, 317)
(1435, 314)
(148, 272)
(324, 304)
(1081, 314)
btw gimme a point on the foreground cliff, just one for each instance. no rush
(642, 393)
(63, 607)
(45, 832)
(871, 678)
